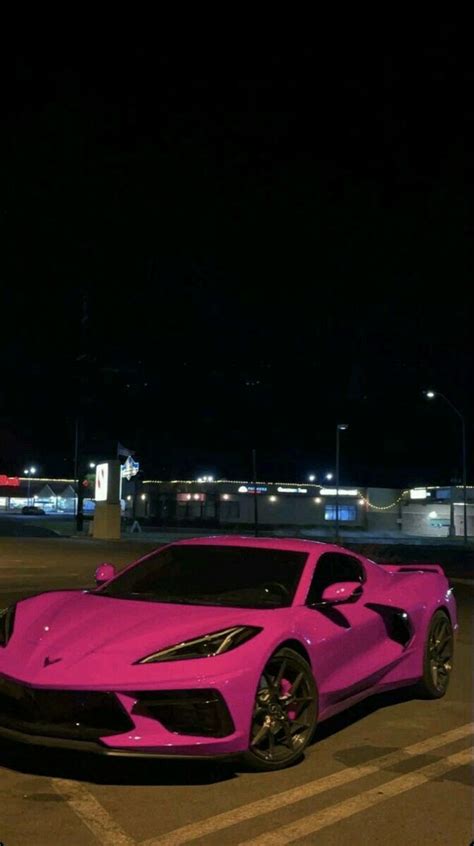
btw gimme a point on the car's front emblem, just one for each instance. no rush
(49, 661)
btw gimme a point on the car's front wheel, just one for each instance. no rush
(438, 657)
(285, 712)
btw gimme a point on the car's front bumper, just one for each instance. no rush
(210, 719)
(67, 744)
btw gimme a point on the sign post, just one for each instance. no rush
(108, 485)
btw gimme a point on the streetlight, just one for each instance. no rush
(328, 476)
(341, 427)
(434, 395)
(311, 477)
(30, 471)
(91, 465)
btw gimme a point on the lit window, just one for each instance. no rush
(346, 513)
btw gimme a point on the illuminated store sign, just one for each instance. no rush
(342, 492)
(251, 489)
(292, 490)
(130, 468)
(419, 493)
(101, 482)
(9, 481)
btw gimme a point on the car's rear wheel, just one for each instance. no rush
(438, 657)
(285, 712)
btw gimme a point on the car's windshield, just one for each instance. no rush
(247, 577)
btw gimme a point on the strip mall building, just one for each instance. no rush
(429, 511)
(423, 512)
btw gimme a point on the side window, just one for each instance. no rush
(333, 567)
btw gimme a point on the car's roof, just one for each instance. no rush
(289, 544)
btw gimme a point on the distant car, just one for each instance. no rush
(32, 509)
(221, 647)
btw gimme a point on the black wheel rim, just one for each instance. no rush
(285, 711)
(440, 651)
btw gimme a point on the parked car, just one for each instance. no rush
(221, 647)
(32, 509)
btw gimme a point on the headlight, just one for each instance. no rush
(7, 617)
(204, 647)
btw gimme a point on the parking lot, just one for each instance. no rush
(392, 770)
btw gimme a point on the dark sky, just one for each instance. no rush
(208, 248)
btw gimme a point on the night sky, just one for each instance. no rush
(206, 249)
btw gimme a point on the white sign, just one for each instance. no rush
(419, 493)
(342, 492)
(251, 489)
(292, 490)
(101, 482)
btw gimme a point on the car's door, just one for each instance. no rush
(348, 639)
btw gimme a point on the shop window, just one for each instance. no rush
(347, 513)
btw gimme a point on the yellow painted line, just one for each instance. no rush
(342, 810)
(92, 813)
(209, 826)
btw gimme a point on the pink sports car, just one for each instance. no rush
(221, 647)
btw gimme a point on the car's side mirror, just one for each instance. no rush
(104, 573)
(341, 592)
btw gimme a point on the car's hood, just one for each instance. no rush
(75, 629)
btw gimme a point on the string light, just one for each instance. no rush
(382, 507)
(223, 482)
(43, 479)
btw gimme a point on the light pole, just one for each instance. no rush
(30, 471)
(434, 395)
(341, 427)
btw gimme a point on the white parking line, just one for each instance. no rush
(305, 791)
(92, 813)
(341, 810)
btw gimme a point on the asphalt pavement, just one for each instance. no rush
(393, 770)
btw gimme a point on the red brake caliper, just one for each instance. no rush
(285, 687)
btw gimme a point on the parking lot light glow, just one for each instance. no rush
(311, 477)
(329, 476)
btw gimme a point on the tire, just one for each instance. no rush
(437, 657)
(279, 734)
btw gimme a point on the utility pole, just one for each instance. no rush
(341, 427)
(255, 495)
(76, 458)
